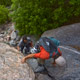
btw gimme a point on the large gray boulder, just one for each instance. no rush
(68, 71)
(11, 67)
(68, 35)
(43, 77)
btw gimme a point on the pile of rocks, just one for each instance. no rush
(9, 35)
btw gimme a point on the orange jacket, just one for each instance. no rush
(44, 54)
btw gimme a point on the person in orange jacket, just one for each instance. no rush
(42, 55)
(47, 50)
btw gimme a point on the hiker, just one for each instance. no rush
(48, 49)
(24, 45)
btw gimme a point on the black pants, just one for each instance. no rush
(25, 50)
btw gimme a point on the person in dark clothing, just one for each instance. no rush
(24, 45)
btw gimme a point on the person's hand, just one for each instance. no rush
(23, 60)
(18, 48)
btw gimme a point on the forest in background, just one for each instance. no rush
(36, 16)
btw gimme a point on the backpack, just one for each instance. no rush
(56, 42)
(49, 44)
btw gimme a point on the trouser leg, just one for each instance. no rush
(41, 66)
(41, 62)
(25, 51)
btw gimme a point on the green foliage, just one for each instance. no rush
(37, 16)
(5, 2)
(3, 14)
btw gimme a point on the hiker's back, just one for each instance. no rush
(48, 44)
(56, 42)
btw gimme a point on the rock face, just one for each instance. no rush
(11, 67)
(69, 70)
(68, 35)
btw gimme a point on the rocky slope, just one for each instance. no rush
(11, 67)
(68, 35)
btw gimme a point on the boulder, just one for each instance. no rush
(11, 67)
(43, 77)
(68, 35)
(72, 67)
(12, 42)
(34, 65)
(13, 35)
(1, 39)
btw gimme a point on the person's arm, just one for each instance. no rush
(27, 57)
(19, 45)
(31, 44)
(18, 48)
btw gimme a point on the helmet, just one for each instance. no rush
(60, 61)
